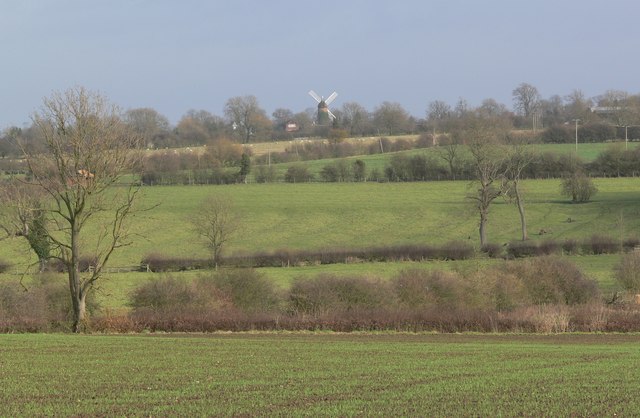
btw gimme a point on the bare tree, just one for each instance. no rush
(153, 127)
(355, 118)
(215, 222)
(577, 106)
(247, 117)
(487, 158)
(526, 99)
(518, 159)
(391, 118)
(88, 150)
(438, 114)
(449, 150)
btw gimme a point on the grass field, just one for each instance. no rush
(357, 215)
(587, 152)
(320, 374)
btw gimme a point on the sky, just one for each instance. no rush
(174, 56)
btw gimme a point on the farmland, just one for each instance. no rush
(319, 374)
(358, 215)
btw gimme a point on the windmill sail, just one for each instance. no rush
(324, 114)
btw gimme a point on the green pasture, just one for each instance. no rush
(587, 152)
(283, 374)
(357, 215)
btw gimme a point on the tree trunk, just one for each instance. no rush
(483, 227)
(523, 219)
(42, 264)
(78, 293)
(79, 312)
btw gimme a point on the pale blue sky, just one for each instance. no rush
(188, 54)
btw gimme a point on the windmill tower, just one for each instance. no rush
(325, 117)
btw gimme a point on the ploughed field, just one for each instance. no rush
(320, 374)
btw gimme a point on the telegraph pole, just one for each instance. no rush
(576, 121)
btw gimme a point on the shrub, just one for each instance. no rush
(558, 134)
(359, 170)
(570, 246)
(174, 294)
(161, 263)
(420, 288)
(247, 289)
(331, 294)
(599, 244)
(507, 291)
(4, 266)
(627, 272)
(552, 280)
(456, 250)
(44, 306)
(548, 247)
(265, 174)
(517, 249)
(338, 171)
(596, 132)
(298, 174)
(85, 263)
(578, 187)
(630, 244)
(492, 250)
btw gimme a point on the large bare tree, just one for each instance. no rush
(247, 117)
(85, 171)
(215, 222)
(518, 158)
(526, 99)
(484, 138)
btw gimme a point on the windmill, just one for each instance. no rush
(324, 114)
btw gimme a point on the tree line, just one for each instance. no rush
(613, 114)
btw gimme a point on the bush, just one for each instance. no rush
(599, 244)
(85, 264)
(630, 244)
(492, 250)
(627, 272)
(548, 247)
(247, 289)
(265, 174)
(420, 288)
(507, 291)
(456, 250)
(298, 174)
(558, 134)
(578, 187)
(517, 249)
(359, 170)
(570, 246)
(44, 306)
(338, 171)
(326, 294)
(553, 280)
(4, 266)
(171, 294)
(161, 263)
(596, 132)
